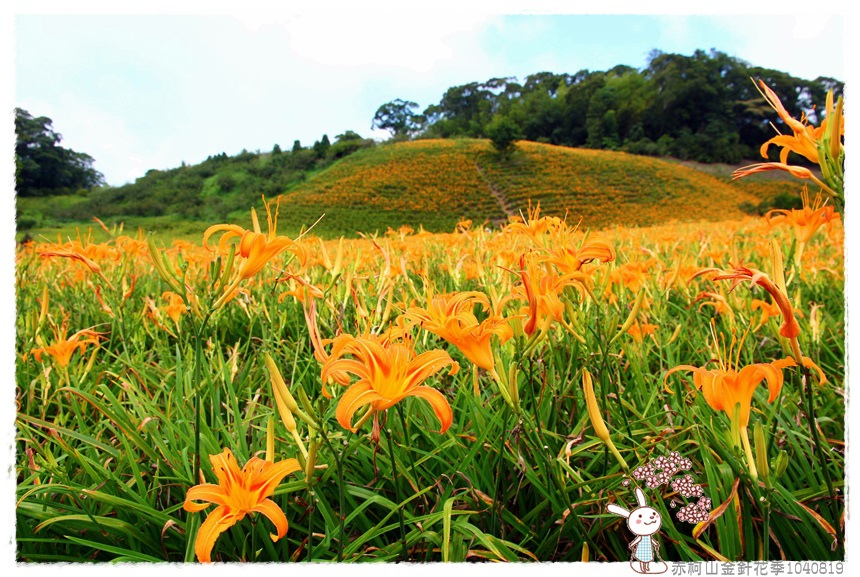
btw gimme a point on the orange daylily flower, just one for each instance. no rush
(237, 493)
(318, 345)
(175, 306)
(806, 220)
(62, 348)
(388, 372)
(803, 141)
(790, 328)
(464, 225)
(638, 331)
(543, 291)
(255, 248)
(821, 145)
(534, 225)
(450, 316)
(80, 252)
(569, 260)
(805, 138)
(726, 387)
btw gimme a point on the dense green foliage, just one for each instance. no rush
(701, 107)
(44, 167)
(503, 133)
(211, 190)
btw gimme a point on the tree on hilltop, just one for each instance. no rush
(503, 133)
(398, 117)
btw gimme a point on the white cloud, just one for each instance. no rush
(802, 46)
(412, 40)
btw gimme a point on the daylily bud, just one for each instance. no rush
(338, 260)
(778, 265)
(631, 318)
(281, 390)
(278, 386)
(780, 465)
(183, 264)
(323, 255)
(311, 460)
(306, 403)
(835, 125)
(92, 360)
(227, 268)
(674, 336)
(513, 385)
(600, 428)
(163, 267)
(761, 454)
(43, 311)
(816, 324)
(735, 419)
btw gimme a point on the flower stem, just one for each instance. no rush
(808, 395)
(745, 438)
(408, 443)
(765, 538)
(198, 397)
(338, 462)
(310, 556)
(498, 503)
(396, 493)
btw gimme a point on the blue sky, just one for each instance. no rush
(140, 91)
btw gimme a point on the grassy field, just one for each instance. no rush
(131, 372)
(431, 184)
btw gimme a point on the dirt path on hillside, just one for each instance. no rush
(500, 197)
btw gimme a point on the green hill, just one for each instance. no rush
(432, 183)
(438, 182)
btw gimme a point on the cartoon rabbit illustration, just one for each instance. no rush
(643, 522)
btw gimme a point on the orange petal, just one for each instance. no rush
(439, 403)
(807, 362)
(531, 324)
(427, 364)
(275, 473)
(205, 492)
(216, 523)
(355, 397)
(717, 394)
(274, 513)
(226, 469)
(675, 370)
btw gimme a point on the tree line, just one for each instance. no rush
(702, 107)
(44, 167)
